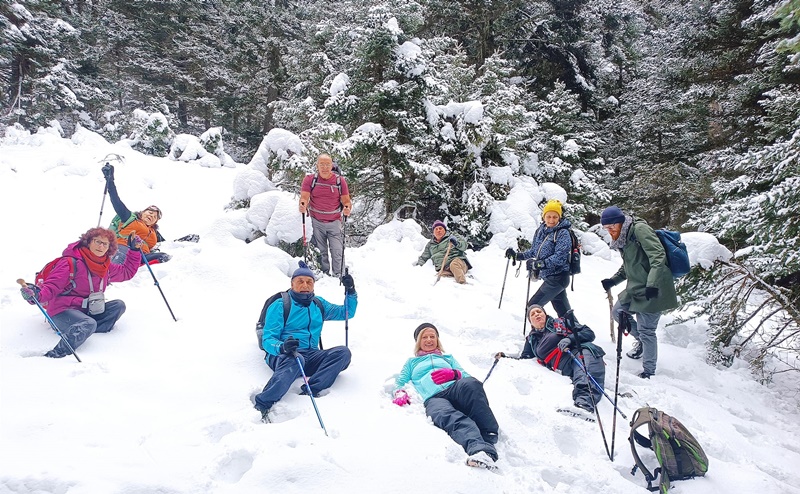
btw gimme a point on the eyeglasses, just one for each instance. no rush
(612, 226)
(101, 243)
(155, 210)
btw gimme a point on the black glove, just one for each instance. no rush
(454, 241)
(108, 171)
(511, 253)
(529, 264)
(539, 264)
(349, 284)
(650, 292)
(289, 346)
(134, 242)
(607, 284)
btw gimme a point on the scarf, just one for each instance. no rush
(303, 299)
(620, 242)
(422, 353)
(98, 266)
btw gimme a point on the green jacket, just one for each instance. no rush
(644, 263)
(436, 250)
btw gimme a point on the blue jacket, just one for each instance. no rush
(553, 246)
(418, 371)
(303, 323)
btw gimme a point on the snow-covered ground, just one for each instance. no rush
(159, 406)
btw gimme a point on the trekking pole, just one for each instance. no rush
(596, 411)
(599, 388)
(310, 394)
(305, 242)
(344, 243)
(611, 314)
(52, 323)
(346, 315)
(496, 359)
(102, 204)
(159, 288)
(503, 289)
(527, 296)
(444, 262)
(109, 157)
(616, 388)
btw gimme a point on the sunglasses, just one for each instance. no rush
(155, 210)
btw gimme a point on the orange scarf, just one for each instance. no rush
(97, 265)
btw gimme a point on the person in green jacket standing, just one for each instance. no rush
(456, 263)
(649, 289)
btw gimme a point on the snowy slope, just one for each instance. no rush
(163, 406)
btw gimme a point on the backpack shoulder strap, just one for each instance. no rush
(314, 181)
(287, 306)
(642, 416)
(321, 307)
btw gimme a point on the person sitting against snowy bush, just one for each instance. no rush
(548, 342)
(298, 338)
(455, 401)
(73, 291)
(455, 260)
(548, 258)
(143, 224)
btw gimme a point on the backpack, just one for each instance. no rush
(287, 306)
(574, 260)
(117, 224)
(338, 182)
(679, 455)
(676, 253)
(42, 275)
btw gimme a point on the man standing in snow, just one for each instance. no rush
(297, 337)
(649, 289)
(450, 246)
(325, 197)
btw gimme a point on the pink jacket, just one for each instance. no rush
(58, 280)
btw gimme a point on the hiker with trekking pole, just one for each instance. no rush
(550, 338)
(71, 288)
(454, 400)
(143, 224)
(326, 198)
(447, 251)
(293, 324)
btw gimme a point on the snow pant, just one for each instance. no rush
(644, 330)
(554, 290)
(151, 258)
(76, 326)
(457, 269)
(321, 367)
(582, 386)
(462, 410)
(329, 236)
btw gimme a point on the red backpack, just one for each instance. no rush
(42, 275)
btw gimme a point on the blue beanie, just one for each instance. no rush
(612, 215)
(439, 223)
(303, 270)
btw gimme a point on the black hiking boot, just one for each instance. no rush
(585, 406)
(645, 375)
(304, 391)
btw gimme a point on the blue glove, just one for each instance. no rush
(564, 344)
(349, 284)
(650, 292)
(454, 241)
(289, 346)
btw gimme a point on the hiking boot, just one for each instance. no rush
(304, 390)
(645, 375)
(585, 406)
(490, 437)
(636, 351)
(481, 459)
(55, 354)
(264, 414)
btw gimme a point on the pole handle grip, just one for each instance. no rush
(22, 282)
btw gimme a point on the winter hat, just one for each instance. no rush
(553, 205)
(422, 326)
(439, 223)
(324, 159)
(611, 216)
(303, 270)
(535, 306)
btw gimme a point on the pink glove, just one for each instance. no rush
(441, 376)
(401, 398)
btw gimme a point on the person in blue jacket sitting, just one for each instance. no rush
(455, 401)
(299, 337)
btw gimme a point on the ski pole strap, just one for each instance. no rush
(553, 358)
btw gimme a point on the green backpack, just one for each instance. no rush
(679, 455)
(117, 224)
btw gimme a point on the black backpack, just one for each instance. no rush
(574, 260)
(678, 453)
(287, 306)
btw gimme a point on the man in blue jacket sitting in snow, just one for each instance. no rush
(299, 337)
